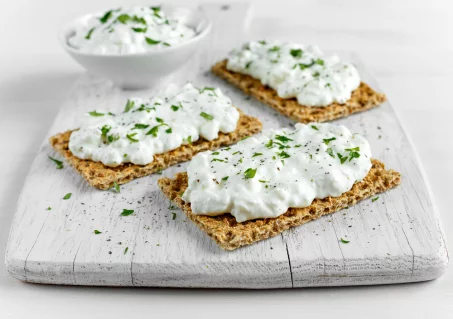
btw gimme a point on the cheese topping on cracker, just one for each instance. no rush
(261, 177)
(178, 116)
(132, 30)
(297, 71)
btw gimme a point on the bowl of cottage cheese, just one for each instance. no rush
(136, 47)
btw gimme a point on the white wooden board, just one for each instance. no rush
(395, 239)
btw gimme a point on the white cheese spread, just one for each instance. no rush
(297, 71)
(176, 117)
(261, 177)
(132, 30)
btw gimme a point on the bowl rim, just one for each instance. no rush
(70, 26)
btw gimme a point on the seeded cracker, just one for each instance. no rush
(229, 234)
(362, 99)
(103, 177)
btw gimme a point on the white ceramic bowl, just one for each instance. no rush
(141, 70)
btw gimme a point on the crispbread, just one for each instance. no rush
(363, 98)
(100, 176)
(230, 234)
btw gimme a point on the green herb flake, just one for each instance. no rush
(57, 162)
(215, 153)
(131, 138)
(319, 62)
(97, 232)
(250, 173)
(125, 250)
(95, 113)
(67, 196)
(330, 152)
(315, 127)
(274, 49)
(248, 64)
(342, 158)
(88, 36)
(344, 241)
(262, 42)
(127, 212)
(123, 18)
(297, 53)
(106, 16)
(316, 74)
(374, 199)
(225, 178)
(207, 89)
(169, 130)
(117, 187)
(207, 116)
(282, 138)
(140, 30)
(129, 105)
(175, 107)
(174, 215)
(328, 140)
(139, 126)
(283, 154)
(257, 154)
(49, 208)
(151, 41)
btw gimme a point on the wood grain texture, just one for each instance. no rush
(394, 239)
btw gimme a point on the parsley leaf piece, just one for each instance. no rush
(207, 89)
(262, 42)
(315, 127)
(297, 53)
(153, 131)
(117, 187)
(374, 199)
(129, 106)
(123, 18)
(257, 154)
(113, 138)
(127, 212)
(283, 154)
(140, 30)
(328, 140)
(106, 16)
(59, 163)
(169, 130)
(342, 158)
(49, 208)
(344, 241)
(131, 138)
(319, 62)
(355, 149)
(269, 144)
(250, 173)
(330, 152)
(225, 178)
(282, 138)
(353, 155)
(88, 36)
(67, 196)
(97, 232)
(316, 74)
(151, 41)
(95, 113)
(175, 107)
(207, 116)
(248, 64)
(159, 120)
(215, 153)
(125, 250)
(139, 126)
(274, 49)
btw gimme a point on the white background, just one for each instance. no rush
(408, 45)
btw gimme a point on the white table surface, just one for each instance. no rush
(408, 45)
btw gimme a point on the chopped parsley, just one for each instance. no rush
(250, 173)
(97, 232)
(139, 126)
(319, 62)
(274, 49)
(95, 113)
(131, 138)
(174, 215)
(374, 199)
(257, 154)
(353, 152)
(208, 89)
(248, 64)
(315, 127)
(88, 36)
(342, 158)
(123, 18)
(106, 16)
(127, 212)
(49, 208)
(262, 42)
(59, 163)
(344, 241)
(215, 153)
(153, 131)
(117, 187)
(330, 152)
(297, 53)
(282, 138)
(176, 107)
(168, 130)
(283, 154)
(140, 30)
(316, 74)
(67, 196)
(129, 105)
(151, 41)
(207, 116)
(225, 178)
(125, 250)
(328, 140)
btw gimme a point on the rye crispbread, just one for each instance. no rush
(230, 234)
(363, 98)
(103, 177)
